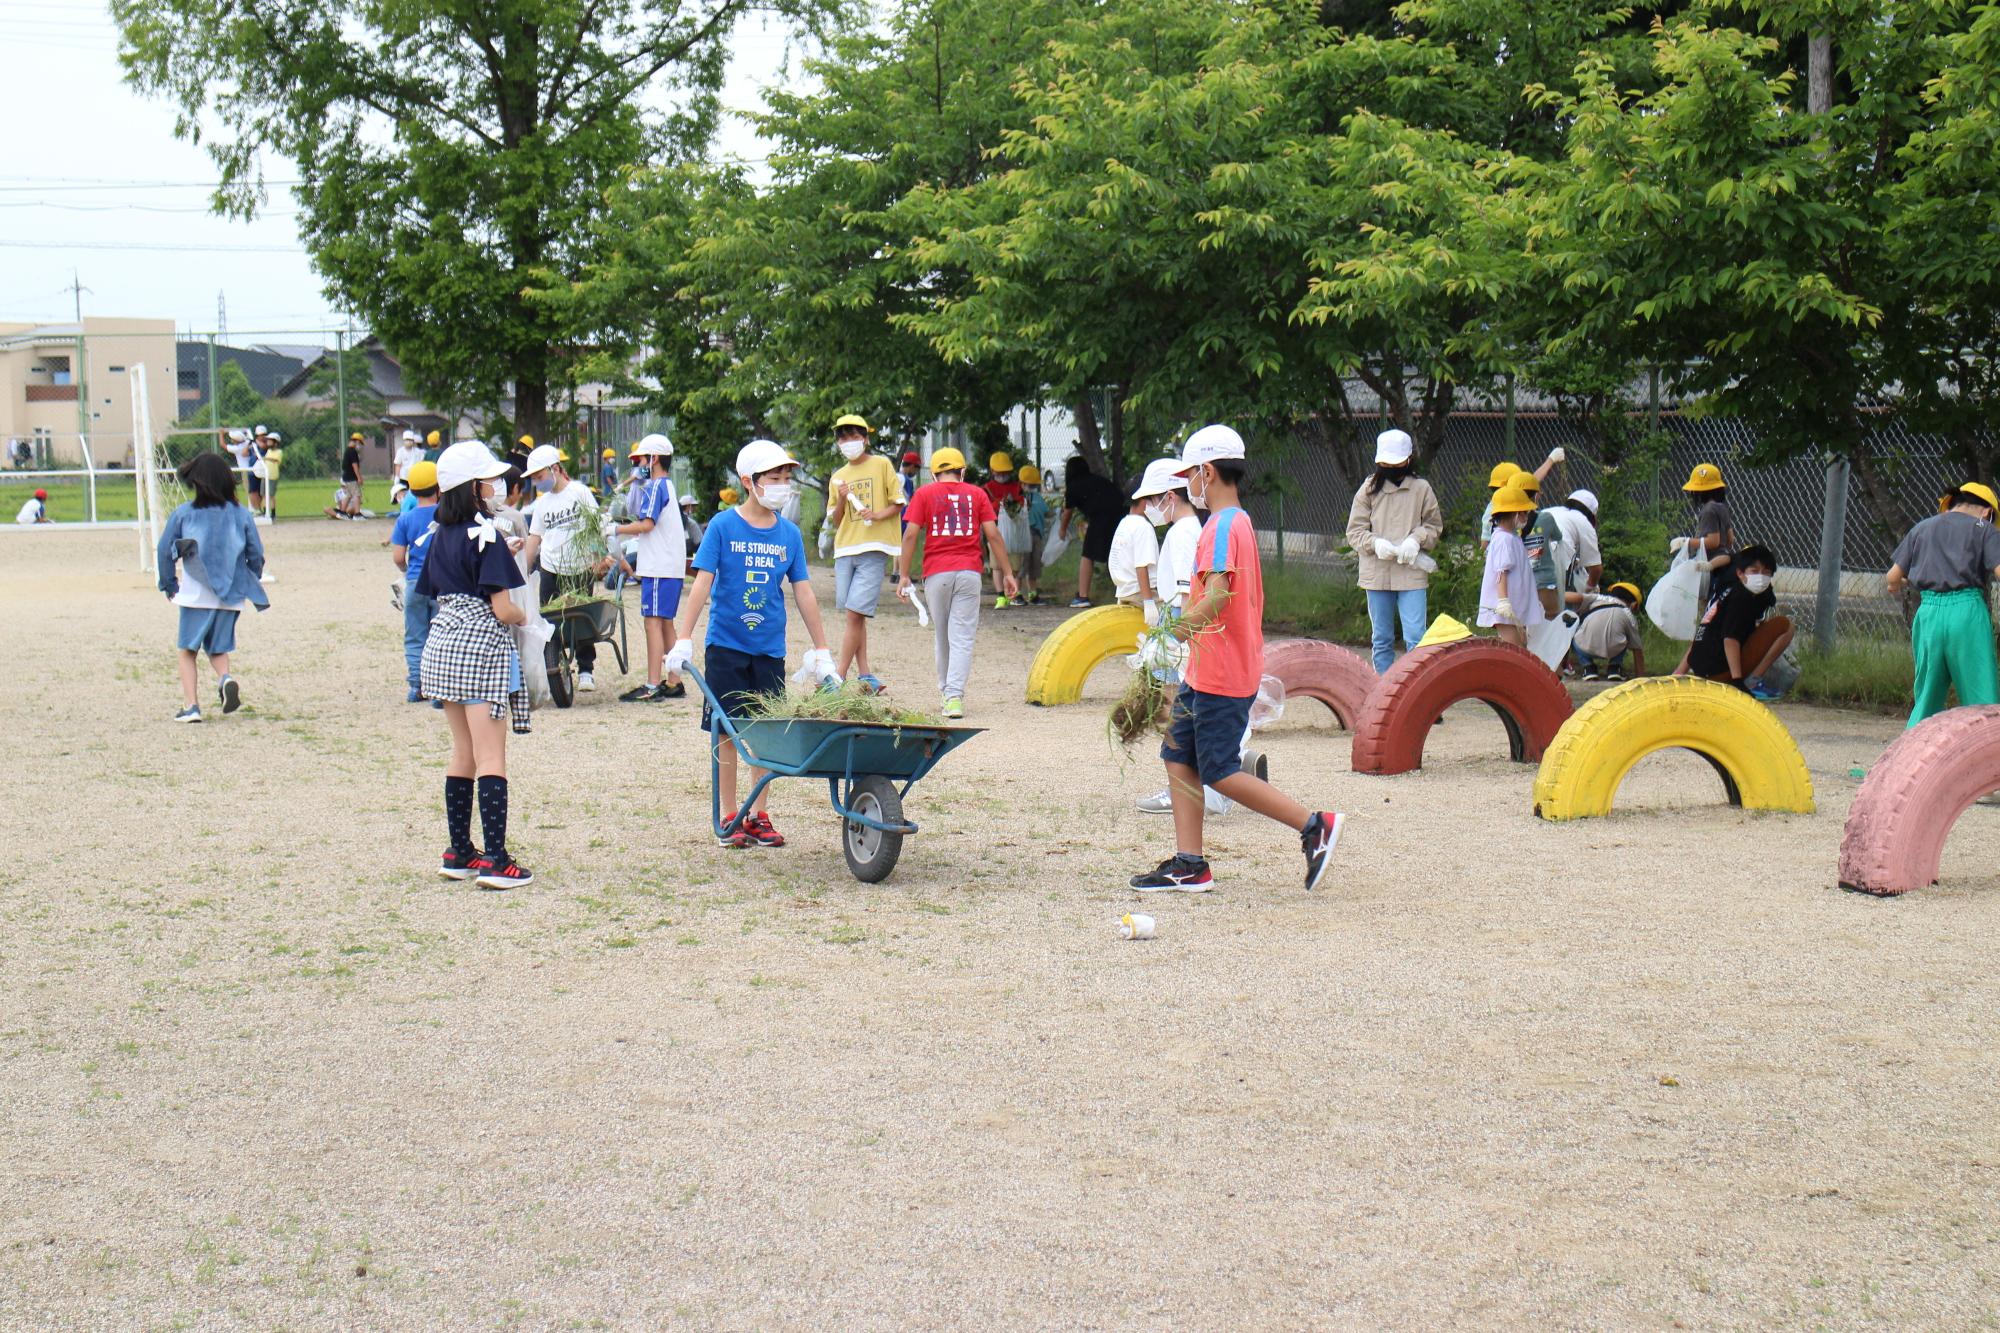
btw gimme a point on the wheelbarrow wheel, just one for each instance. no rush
(562, 686)
(871, 853)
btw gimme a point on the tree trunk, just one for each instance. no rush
(1088, 444)
(531, 406)
(1887, 510)
(1118, 435)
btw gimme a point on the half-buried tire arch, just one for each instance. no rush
(1077, 647)
(1913, 795)
(1338, 677)
(1742, 740)
(1409, 697)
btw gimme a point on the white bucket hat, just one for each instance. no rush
(1208, 445)
(1162, 475)
(760, 456)
(468, 460)
(1393, 448)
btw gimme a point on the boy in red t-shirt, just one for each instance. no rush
(1224, 624)
(951, 515)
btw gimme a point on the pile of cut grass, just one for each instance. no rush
(849, 702)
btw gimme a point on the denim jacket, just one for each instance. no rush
(225, 542)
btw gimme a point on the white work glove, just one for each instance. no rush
(1152, 611)
(1155, 653)
(678, 657)
(1384, 549)
(1704, 564)
(610, 529)
(816, 668)
(1556, 454)
(1505, 610)
(1408, 552)
(1675, 545)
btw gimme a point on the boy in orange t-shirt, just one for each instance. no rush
(1224, 622)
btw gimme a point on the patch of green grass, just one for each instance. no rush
(1859, 673)
(1314, 605)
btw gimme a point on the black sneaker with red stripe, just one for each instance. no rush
(462, 865)
(1177, 874)
(504, 872)
(1317, 840)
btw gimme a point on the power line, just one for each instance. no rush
(136, 245)
(132, 185)
(134, 208)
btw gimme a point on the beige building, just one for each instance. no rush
(61, 384)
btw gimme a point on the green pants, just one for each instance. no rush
(1952, 640)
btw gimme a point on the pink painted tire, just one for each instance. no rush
(1926, 779)
(1409, 697)
(1338, 677)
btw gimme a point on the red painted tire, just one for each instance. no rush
(1338, 677)
(1409, 697)
(1913, 795)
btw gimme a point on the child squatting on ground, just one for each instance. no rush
(1507, 600)
(867, 498)
(1950, 559)
(470, 662)
(213, 540)
(1224, 629)
(662, 566)
(744, 555)
(1734, 642)
(951, 515)
(1607, 629)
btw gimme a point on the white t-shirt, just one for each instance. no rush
(1133, 547)
(662, 551)
(196, 593)
(1176, 568)
(1579, 548)
(556, 518)
(31, 511)
(405, 456)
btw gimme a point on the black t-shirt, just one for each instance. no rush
(457, 564)
(1732, 613)
(350, 464)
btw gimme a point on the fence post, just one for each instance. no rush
(214, 403)
(1281, 532)
(1832, 541)
(1507, 444)
(340, 389)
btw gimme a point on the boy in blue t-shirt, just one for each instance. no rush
(419, 609)
(744, 555)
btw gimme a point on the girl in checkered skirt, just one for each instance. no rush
(470, 663)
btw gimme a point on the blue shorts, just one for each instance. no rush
(205, 630)
(734, 678)
(857, 581)
(1206, 731)
(659, 599)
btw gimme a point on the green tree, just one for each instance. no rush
(346, 373)
(450, 154)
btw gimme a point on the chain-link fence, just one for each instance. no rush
(1304, 515)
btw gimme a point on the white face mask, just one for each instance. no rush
(1156, 514)
(1757, 583)
(774, 495)
(852, 449)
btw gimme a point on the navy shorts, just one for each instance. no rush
(1205, 732)
(659, 599)
(735, 677)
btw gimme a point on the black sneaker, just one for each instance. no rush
(666, 692)
(638, 694)
(232, 695)
(1258, 763)
(1318, 839)
(1176, 874)
(462, 865)
(1614, 675)
(504, 872)
(1593, 674)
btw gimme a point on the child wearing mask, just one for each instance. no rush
(1135, 550)
(747, 556)
(662, 560)
(1735, 642)
(867, 503)
(1507, 600)
(1038, 531)
(1392, 525)
(1950, 559)
(471, 663)
(1500, 477)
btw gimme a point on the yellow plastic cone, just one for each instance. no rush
(1444, 630)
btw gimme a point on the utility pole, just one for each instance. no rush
(80, 371)
(340, 387)
(1833, 514)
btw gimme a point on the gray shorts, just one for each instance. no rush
(857, 581)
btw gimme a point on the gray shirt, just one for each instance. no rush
(1950, 551)
(1607, 632)
(1714, 517)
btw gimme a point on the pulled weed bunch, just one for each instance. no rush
(849, 702)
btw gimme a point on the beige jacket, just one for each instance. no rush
(1393, 513)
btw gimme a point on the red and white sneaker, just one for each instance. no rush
(762, 832)
(462, 865)
(504, 873)
(1318, 839)
(736, 837)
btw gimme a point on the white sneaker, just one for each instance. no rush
(1160, 802)
(586, 682)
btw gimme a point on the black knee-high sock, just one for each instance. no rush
(458, 812)
(493, 815)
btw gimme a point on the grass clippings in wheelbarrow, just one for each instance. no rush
(850, 702)
(570, 600)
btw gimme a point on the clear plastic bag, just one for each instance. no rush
(1269, 705)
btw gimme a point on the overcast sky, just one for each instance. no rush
(92, 172)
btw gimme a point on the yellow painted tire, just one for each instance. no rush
(1077, 647)
(1759, 762)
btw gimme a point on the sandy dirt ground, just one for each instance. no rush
(260, 1068)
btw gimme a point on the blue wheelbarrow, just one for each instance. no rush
(861, 761)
